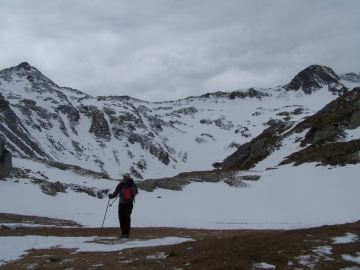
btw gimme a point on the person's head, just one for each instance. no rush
(126, 176)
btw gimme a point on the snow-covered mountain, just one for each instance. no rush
(114, 134)
(69, 144)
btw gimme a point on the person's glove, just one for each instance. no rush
(110, 196)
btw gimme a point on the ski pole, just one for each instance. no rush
(104, 217)
(114, 201)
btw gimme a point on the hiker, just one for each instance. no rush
(127, 190)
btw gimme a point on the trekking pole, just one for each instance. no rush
(104, 217)
(114, 201)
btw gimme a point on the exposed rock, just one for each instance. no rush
(173, 183)
(251, 93)
(250, 177)
(200, 140)
(179, 181)
(5, 164)
(249, 154)
(52, 188)
(338, 153)
(184, 111)
(99, 126)
(330, 123)
(354, 120)
(5, 160)
(351, 77)
(298, 111)
(326, 134)
(206, 121)
(314, 78)
(16, 133)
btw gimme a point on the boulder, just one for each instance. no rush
(5, 164)
(48, 189)
(58, 186)
(324, 135)
(173, 183)
(355, 120)
(357, 105)
(5, 160)
(52, 188)
(250, 177)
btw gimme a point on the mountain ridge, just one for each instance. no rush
(119, 133)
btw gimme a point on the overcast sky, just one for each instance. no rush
(167, 50)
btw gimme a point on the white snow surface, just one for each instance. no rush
(13, 247)
(287, 198)
(346, 239)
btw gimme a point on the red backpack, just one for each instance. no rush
(127, 193)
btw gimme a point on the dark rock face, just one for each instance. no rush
(221, 123)
(251, 93)
(99, 126)
(52, 188)
(173, 183)
(5, 160)
(351, 77)
(183, 111)
(329, 123)
(72, 114)
(15, 132)
(314, 78)
(334, 154)
(250, 153)
(321, 142)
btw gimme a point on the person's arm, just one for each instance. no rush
(116, 192)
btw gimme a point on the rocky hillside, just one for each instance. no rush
(113, 134)
(324, 137)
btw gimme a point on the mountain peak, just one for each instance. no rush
(313, 78)
(24, 65)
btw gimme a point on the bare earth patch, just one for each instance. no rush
(312, 248)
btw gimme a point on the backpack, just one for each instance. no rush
(128, 193)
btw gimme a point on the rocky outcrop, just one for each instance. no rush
(250, 153)
(5, 160)
(314, 78)
(323, 143)
(52, 188)
(174, 183)
(99, 126)
(250, 93)
(351, 77)
(330, 123)
(179, 181)
(338, 153)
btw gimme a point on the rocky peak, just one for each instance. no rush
(314, 78)
(27, 73)
(24, 66)
(351, 77)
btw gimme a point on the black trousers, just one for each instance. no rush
(125, 211)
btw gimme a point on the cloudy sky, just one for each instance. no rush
(171, 49)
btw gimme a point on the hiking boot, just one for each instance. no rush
(125, 236)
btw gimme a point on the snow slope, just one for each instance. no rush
(287, 198)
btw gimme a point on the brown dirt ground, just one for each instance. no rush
(212, 249)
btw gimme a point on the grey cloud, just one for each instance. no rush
(165, 50)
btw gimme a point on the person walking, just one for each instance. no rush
(127, 190)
